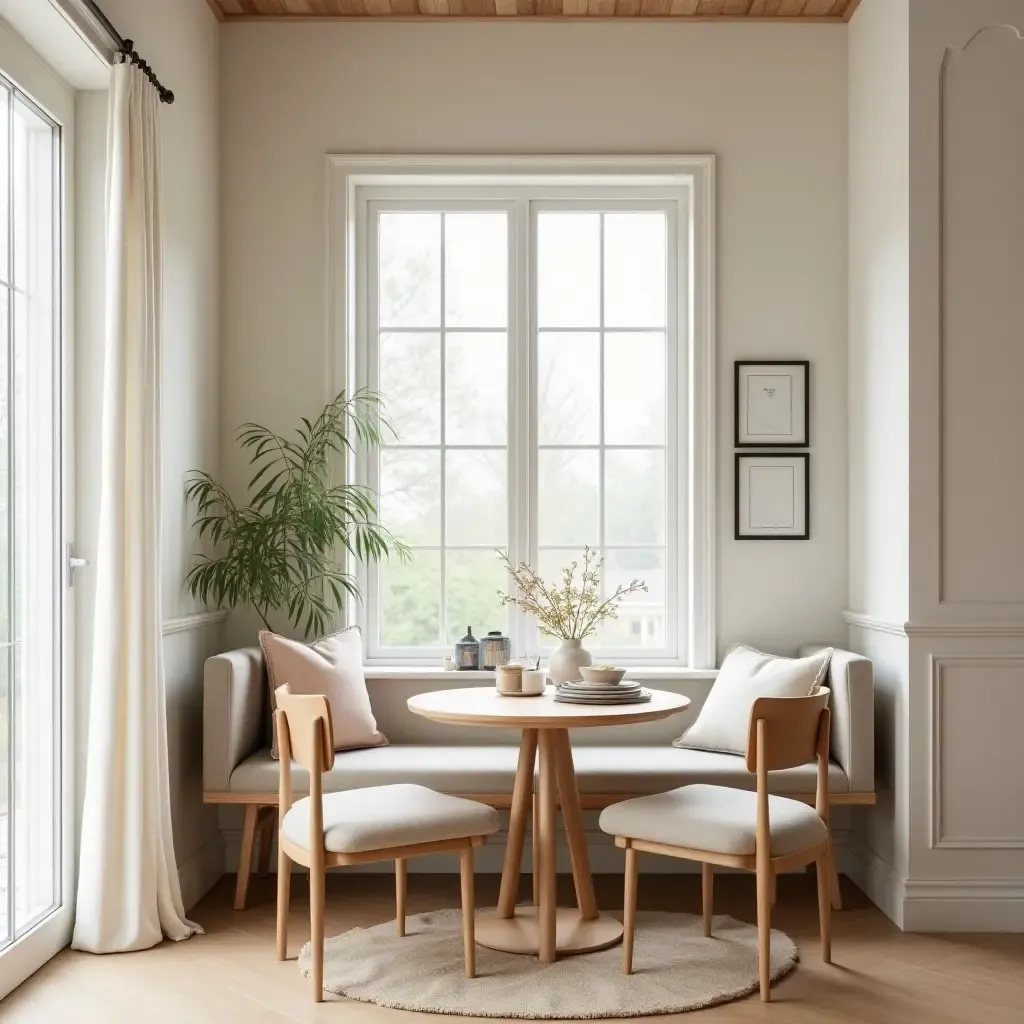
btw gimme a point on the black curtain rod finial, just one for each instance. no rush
(127, 50)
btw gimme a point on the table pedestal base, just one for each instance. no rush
(521, 933)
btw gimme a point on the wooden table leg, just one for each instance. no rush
(546, 930)
(575, 834)
(522, 802)
(548, 806)
(535, 846)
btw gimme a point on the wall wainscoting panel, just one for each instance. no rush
(977, 704)
(981, 240)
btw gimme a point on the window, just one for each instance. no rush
(30, 586)
(533, 338)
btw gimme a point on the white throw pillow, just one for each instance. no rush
(745, 675)
(332, 666)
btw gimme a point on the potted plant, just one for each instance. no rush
(570, 610)
(284, 549)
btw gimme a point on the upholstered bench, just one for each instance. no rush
(611, 764)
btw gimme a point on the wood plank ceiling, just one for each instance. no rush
(692, 10)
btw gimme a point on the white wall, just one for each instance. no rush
(879, 413)
(179, 38)
(936, 93)
(769, 100)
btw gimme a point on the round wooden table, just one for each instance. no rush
(545, 929)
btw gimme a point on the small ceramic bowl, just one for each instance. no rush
(605, 676)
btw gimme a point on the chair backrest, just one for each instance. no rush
(792, 731)
(301, 714)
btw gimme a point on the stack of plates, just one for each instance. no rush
(625, 692)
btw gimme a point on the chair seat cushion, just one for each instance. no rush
(491, 769)
(716, 819)
(383, 817)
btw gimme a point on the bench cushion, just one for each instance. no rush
(491, 770)
(383, 817)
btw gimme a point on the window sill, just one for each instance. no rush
(430, 673)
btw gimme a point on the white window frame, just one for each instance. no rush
(42, 939)
(688, 181)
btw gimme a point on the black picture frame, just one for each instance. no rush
(806, 459)
(805, 366)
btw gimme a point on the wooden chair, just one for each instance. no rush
(741, 829)
(361, 826)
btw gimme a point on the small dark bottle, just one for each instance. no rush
(467, 651)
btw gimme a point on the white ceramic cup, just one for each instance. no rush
(533, 681)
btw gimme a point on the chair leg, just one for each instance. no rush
(245, 858)
(707, 893)
(824, 873)
(468, 911)
(284, 886)
(764, 929)
(316, 924)
(629, 911)
(401, 873)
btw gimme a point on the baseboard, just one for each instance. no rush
(198, 874)
(933, 905)
(877, 879)
(964, 905)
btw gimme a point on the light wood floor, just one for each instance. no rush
(231, 974)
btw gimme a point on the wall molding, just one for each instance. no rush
(937, 839)
(969, 629)
(943, 419)
(861, 620)
(877, 625)
(200, 620)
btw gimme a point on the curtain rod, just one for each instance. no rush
(126, 48)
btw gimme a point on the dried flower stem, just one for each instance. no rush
(569, 612)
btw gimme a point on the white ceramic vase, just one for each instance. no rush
(566, 661)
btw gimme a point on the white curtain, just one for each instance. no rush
(128, 893)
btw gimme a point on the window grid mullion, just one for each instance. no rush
(444, 437)
(601, 404)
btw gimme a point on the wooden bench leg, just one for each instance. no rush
(837, 899)
(269, 818)
(245, 859)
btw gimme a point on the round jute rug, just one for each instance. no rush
(674, 969)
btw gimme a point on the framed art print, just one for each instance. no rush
(773, 496)
(773, 404)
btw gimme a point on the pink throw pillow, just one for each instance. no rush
(332, 666)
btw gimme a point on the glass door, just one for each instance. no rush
(31, 584)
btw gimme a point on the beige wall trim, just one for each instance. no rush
(862, 621)
(978, 629)
(200, 620)
(944, 629)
